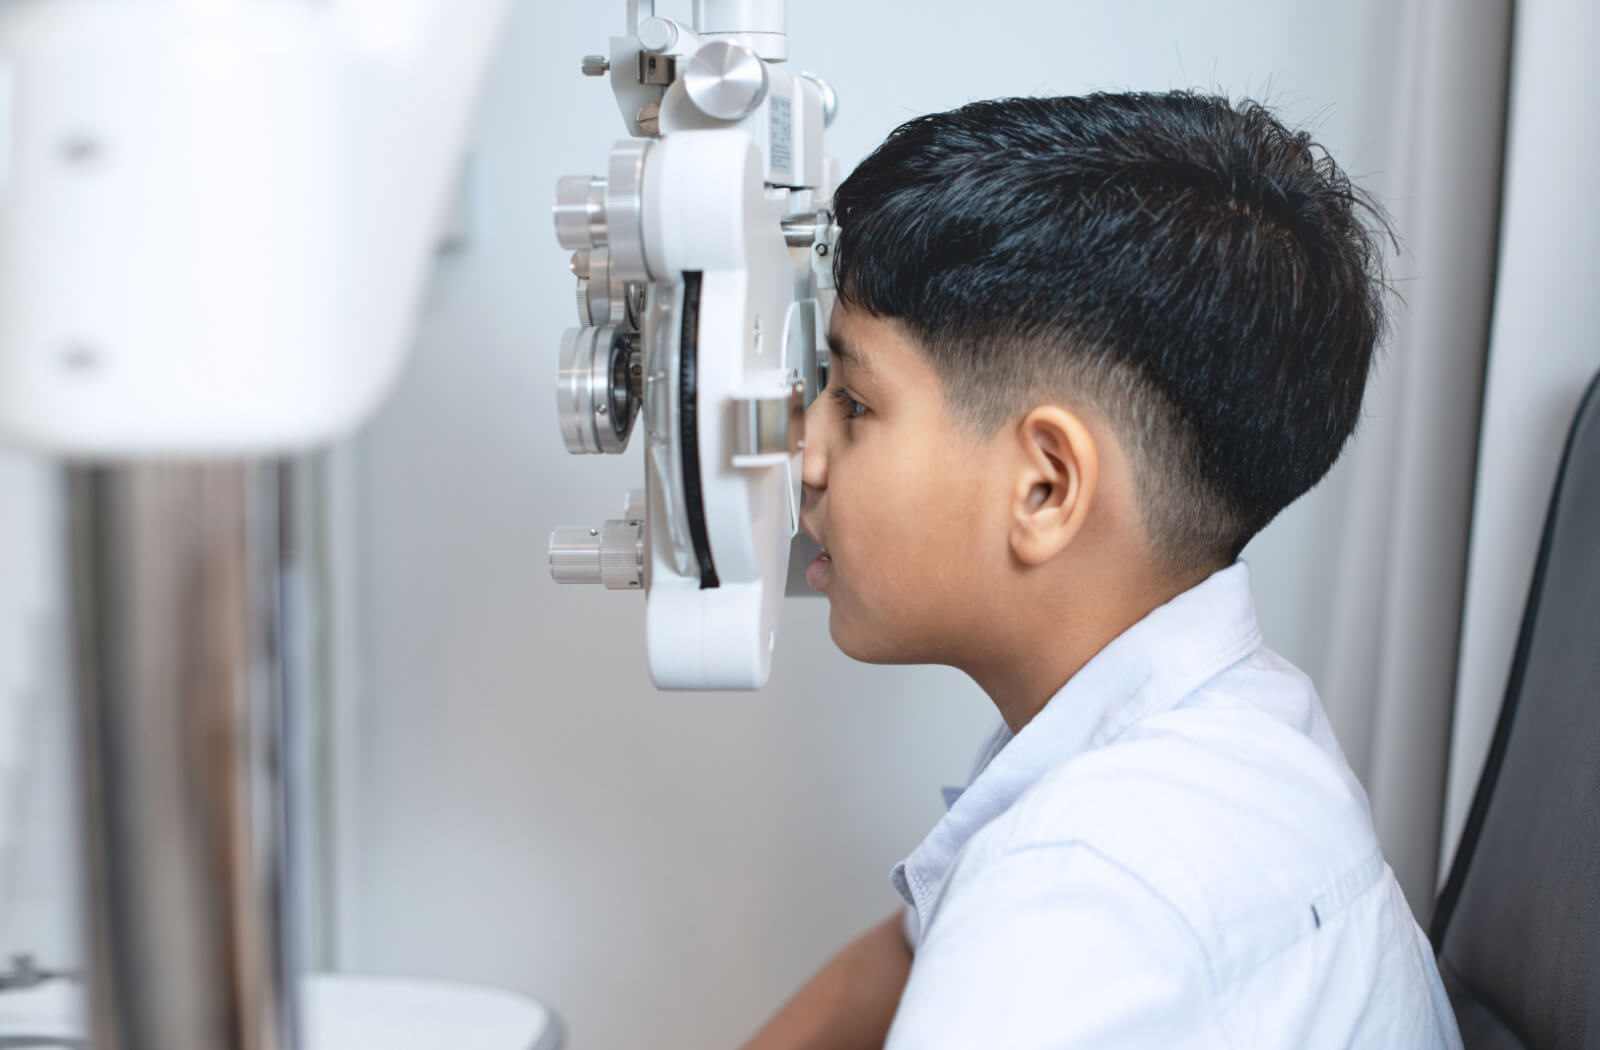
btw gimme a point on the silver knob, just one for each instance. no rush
(657, 34)
(624, 209)
(580, 212)
(726, 81)
(622, 554)
(575, 554)
(601, 298)
(597, 398)
(612, 554)
(596, 65)
(585, 312)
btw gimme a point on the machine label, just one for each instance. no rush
(782, 138)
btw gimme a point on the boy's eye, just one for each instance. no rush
(852, 407)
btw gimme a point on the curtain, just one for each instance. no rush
(1391, 670)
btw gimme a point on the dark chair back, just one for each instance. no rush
(1517, 927)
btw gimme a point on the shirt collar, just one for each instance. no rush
(1147, 669)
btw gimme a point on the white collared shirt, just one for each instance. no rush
(1173, 853)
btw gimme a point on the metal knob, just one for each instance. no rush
(580, 212)
(657, 34)
(726, 81)
(575, 554)
(612, 554)
(597, 388)
(596, 65)
(602, 299)
(622, 554)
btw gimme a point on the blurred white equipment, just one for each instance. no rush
(702, 259)
(341, 1012)
(217, 214)
(216, 219)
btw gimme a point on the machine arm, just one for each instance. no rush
(702, 266)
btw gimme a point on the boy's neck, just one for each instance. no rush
(1050, 639)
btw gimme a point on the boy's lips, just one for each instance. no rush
(821, 566)
(819, 570)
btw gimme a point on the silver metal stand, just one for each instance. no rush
(180, 697)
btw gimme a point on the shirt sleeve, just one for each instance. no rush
(1056, 947)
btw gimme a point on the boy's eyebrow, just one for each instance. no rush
(847, 353)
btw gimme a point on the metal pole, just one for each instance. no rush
(180, 700)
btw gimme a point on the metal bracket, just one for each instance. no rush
(657, 70)
(826, 240)
(769, 429)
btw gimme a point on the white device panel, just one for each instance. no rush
(219, 217)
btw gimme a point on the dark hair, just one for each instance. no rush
(1192, 269)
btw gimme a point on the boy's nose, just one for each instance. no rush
(814, 461)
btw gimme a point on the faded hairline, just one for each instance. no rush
(1189, 527)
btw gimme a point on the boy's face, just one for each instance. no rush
(903, 499)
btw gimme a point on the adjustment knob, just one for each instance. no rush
(580, 212)
(726, 81)
(597, 398)
(612, 554)
(658, 35)
(575, 554)
(622, 554)
(596, 65)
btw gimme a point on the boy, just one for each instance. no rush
(1084, 349)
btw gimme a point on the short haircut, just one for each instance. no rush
(1194, 270)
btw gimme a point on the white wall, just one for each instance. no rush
(1545, 348)
(519, 807)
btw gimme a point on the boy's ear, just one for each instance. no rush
(1058, 470)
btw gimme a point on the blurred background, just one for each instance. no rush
(495, 791)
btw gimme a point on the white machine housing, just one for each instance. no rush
(216, 218)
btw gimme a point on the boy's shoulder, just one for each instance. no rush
(1235, 807)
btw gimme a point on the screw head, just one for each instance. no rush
(596, 65)
(649, 119)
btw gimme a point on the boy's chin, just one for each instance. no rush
(870, 643)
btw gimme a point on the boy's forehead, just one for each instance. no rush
(868, 345)
(845, 346)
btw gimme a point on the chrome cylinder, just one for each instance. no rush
(624, 209)
(575, 554)
(597, 389)
(175, 601)
(613, 554)
(580, 212)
